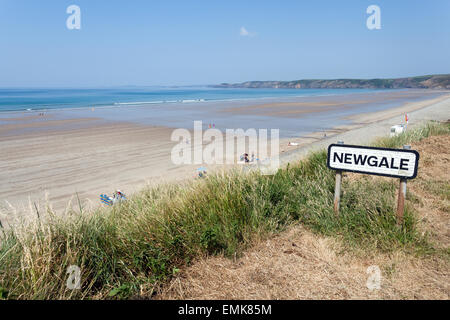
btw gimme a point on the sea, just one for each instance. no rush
(20, 99)
(179, 107)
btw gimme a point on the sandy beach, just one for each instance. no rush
(59, 165)
(66, 163)
(367, 126)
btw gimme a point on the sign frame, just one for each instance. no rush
(416, 165)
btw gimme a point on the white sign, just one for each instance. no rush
(397, 163)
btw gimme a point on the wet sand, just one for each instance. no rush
(337, 104)
(394, 115)
(59, 161)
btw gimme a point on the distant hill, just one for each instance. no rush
(441, 81)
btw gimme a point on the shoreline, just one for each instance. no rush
(294, 116)
(111, 105)
(358, 121)
(369, 127)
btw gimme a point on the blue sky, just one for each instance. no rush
(200, 42)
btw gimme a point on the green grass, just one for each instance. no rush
(134, 246)
(430, 129)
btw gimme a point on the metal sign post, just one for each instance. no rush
(395, 163)
(401, 195)
(337, 188)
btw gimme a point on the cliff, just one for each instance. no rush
(424, 82)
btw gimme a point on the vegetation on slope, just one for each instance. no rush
(423, 82)
(133, 247)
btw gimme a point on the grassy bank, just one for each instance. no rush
(129, 249)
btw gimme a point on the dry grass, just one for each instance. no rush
(301, 265)
(432, 189)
